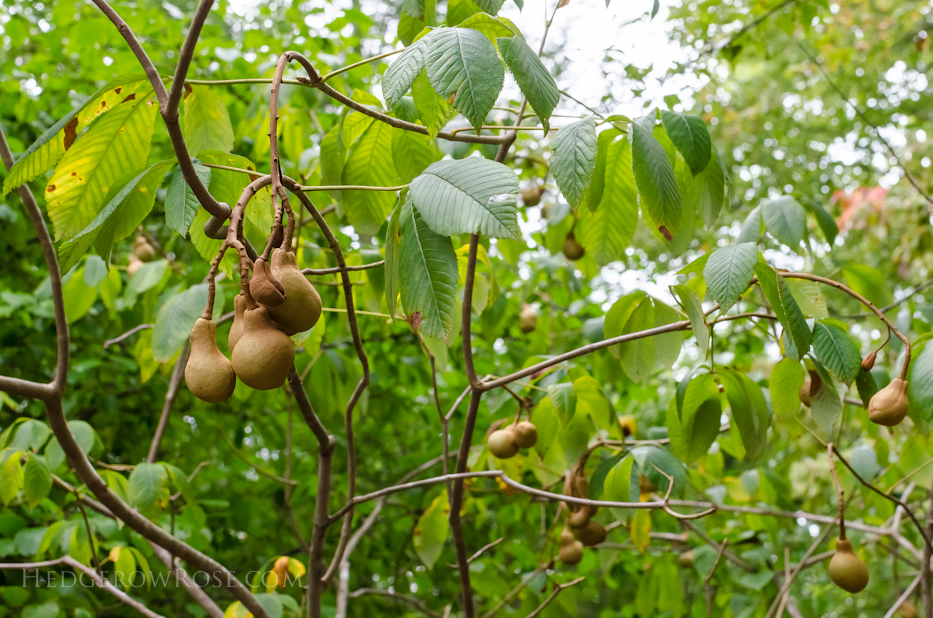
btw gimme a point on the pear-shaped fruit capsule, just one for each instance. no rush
(685, 559)
(264, 287)
(236, 329)
(502, 443)
(532, 196)
(889, 405)
(908, 610)
(811, 386)
(526, 434)
(571, 550)
(592, 534)
(302, 307)
(582, 516)
(846, 569)
(868, 362)
(143, 250)
(208, 373)
(264, 355)
(134, 265)
(572, 249)
(528, 318)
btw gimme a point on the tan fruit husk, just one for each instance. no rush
(526, 434)
(908, 610)
(502, 443)
(236, 329)
(571, 550)
(889, 406)
(686, 559)
(532, 196)
(572, 249)
(528, 318)
(811, 386)
(264, 355)
(134, 265)
(582, 516)
(846, 569)
(302, 307)
(592, 534)
(208, 373)
(143, 250)
(868, 362)
(263, 287)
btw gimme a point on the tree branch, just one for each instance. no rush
(178, 372)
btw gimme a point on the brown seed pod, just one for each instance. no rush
(811, 386)
(264, 287)
(526, 434)
(236, 329)
(502, 443)
(143, 250)
(686, 559)
(208, 373)
(582, 516)
(264, 355)
(302, 307)
(868, 362)
(134, 265)
(889, 405)
(908, 610)
(572, 249)
(528, 318)
(846, 569)
(592, 534)
(571, 550)
(532, 196)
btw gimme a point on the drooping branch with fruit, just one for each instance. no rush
(663, 165)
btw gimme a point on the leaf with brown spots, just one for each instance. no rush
(71, 132)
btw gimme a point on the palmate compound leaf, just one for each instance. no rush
(464, 62)
(533, 78)
(427, 274)
(574, 159)
(115, 146)
(468, 196)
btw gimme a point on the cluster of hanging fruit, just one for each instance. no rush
(505, 443)
(888, 407)
(580, 530)
(277, 303)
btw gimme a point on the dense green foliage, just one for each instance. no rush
(773, 162)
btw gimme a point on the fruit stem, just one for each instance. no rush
(842, 496)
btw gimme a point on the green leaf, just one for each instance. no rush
(370, 163)
(115, 146)
(785, 307)
(433, 108)
(707, 191)
(919, 385)
(869, 282)
(638, 356)
(689, 134)
(608, 232)
(51, 146)
(401, 74)
(749, 411)
(125, 210)
(694, 426)
(564, 398)
(784, 385)
(591, 400)
(667, 345)
(462, 61)
(492, 27)
(412, 154)
(594, 193)
(207, 122)
(175, 320)
(574, 159)
(690, 301)
(180, 202)
(37, 480)
(148, 276)
(392, 264)
(431, 531)
(752, 227)
(729, 271)
(473, 195)
(824, 220)
(617, 317)
(785, 219)
(148, 488)
(533, 78)
(428, 274)
(489, 6)
(654, 177)
(11, 477)
(836, 350)
(617, 486)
